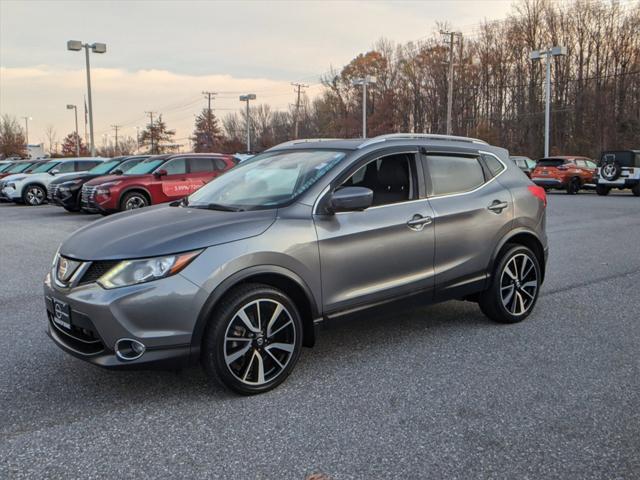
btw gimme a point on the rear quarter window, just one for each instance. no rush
(495, 166)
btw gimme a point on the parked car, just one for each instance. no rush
(237, 274)
(65, 192)
(31, 189)
(524, 163)
(565, 173)
(18, 170)
(158, 179)
(619, 169)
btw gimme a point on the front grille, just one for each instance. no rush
(84, 339)
(96, 270)
(88, 194)
(53, 191)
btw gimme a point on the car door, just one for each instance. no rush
(201, 170)
(386, 250)
(472, 212)
(175, 184)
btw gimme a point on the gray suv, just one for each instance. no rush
(238, 274)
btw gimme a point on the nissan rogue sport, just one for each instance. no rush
(238, 274)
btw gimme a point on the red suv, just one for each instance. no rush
(158, 179)
(565, 173)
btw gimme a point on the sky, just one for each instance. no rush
(161, 54)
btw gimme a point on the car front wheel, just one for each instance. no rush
(253, 339)
(34, 195)
(134, 200)
(515, 285)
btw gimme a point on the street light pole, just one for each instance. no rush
(548, 55)
(76, 45)
(246, 98)
(26, 130)
(364, 81)
(75, 109)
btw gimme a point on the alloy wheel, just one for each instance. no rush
(519, 284)
(259, 341)
(135, 202)
(35, 196)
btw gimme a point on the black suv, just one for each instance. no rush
(65, 192)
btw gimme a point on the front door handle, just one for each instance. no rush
(497, 206)
(418, 222)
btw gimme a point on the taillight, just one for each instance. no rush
(539, 193)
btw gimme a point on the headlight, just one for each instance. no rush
(11, 185)
(131, 272)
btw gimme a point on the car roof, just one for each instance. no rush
(65, 160)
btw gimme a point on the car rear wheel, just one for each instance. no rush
(134, 200)
(515, 285)
(253, 339)
(602, 190)
(573, 186)
(34, 195)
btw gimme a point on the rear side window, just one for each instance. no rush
(175, 166)
(451, 174)
(495, 166)
(200, 164)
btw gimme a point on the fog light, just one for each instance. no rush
(129, 349)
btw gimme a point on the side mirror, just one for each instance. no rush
(54, 171)
(160, 173)
(350, 199)
(117, 171)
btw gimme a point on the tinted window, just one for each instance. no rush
(390, 178)
(454, 174)
(175, 167)
(200, 165)
(495, 166)
(551, 162)
(66, 167)
(83, 166)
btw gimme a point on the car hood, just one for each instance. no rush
(163, 230)
(112, 178)
(13, 176)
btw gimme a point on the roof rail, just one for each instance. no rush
(304, 140)
(428, 136)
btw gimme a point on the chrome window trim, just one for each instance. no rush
(481, 152)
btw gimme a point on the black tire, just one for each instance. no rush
(34, 195)
(133, 200)
(573, 186)
(636, 190)
(603, 190)
(71, 209)
(492, 302)
(226, 322)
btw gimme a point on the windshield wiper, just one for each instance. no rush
(218, 206)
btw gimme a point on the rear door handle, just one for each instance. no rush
(418, 222)
(497, 206)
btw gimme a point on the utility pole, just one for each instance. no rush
(209, 96)
(548, 55)
(452, 39)
(298, 87)
(364, 81)
(150, 130)
(246, 98)
(26, 128)
(137, 139)
(116, 127)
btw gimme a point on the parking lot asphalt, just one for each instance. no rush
(437, 392)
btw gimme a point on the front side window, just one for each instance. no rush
(391, 179)
(175, 167)
(450, 174)
(268, 180)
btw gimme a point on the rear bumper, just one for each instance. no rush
(548, 182)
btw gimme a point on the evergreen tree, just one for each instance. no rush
(207, 135)
(158, 138)
(69, 146)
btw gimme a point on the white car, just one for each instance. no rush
(31, 188)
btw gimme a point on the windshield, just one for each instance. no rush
(45, 167)
(105, 167)
(5, 166)
(147, 166)
(129, 164)
(267, 180)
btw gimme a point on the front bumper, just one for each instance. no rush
(10, 194)
(65, 197)
(160, 314)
